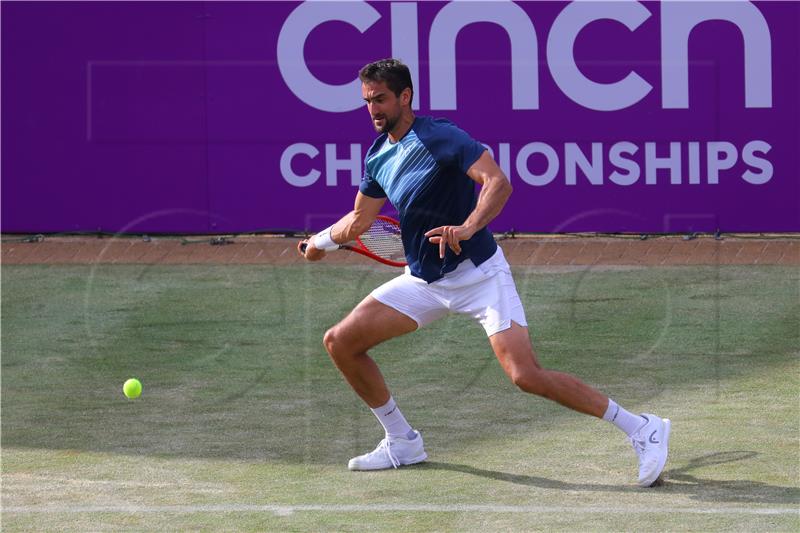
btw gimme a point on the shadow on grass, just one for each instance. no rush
(737, 490)
(678, 481)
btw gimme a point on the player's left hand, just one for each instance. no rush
(307, 249)
(450, 236)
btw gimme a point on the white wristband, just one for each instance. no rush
(323, 240)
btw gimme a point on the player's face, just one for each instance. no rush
(383, 105)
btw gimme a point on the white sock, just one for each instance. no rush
(624, 420)
(392, 420)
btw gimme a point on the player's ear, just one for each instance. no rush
(405, 96)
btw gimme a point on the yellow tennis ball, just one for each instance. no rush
(132, 388)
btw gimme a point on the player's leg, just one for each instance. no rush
(513, 350)
(649, 434)
(494, 302)
(395, 308)
(368, 325)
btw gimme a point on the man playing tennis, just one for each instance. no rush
(428, 168)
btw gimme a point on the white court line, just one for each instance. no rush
(285, 510)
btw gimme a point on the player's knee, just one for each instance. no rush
(331, 340)
(336, 343)
(530, 380)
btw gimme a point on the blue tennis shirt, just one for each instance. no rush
(424, 176)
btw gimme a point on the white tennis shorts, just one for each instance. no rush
(485, 292)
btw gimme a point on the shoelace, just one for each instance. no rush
(386, 446)
(638, 445)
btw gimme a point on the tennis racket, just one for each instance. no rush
(381, 242)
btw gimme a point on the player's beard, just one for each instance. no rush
(388, 124)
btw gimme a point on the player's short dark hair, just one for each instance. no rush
(392, 71)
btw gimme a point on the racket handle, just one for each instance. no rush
(304, 247)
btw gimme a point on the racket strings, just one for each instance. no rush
(383, 239)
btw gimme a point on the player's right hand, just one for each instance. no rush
(306, 249)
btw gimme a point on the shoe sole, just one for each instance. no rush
(663, 462)
(415, 460)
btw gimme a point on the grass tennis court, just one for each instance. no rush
(244, 423)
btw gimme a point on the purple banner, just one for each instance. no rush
(149, 117)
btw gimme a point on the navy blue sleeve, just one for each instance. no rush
(449, 144)
(370, 187)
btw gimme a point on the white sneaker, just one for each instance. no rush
(391, 453)
(651, 442)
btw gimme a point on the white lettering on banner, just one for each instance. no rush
(623, 163)
(574, 158)
(405, 40)
(715, 151)
(694, 163)
(678, 20)
(561, 55)
(292, 61)
(524, 50)
(672, 162)
(624, 171)
(522, 164)
(765, 166)
(332, 164)
(286, 165)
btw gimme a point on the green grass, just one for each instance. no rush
(242, 408)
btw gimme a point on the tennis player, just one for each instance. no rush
(428, 168)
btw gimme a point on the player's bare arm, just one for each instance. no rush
(494, 194)
(348, 227)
